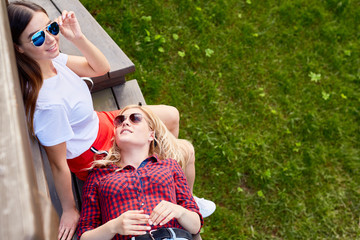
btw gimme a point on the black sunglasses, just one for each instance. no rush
(38, 38)
(134, 118)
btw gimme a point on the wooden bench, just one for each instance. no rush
(110, 92)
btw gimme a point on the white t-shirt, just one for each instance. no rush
(64, 111)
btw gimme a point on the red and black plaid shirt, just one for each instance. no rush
(107, 193)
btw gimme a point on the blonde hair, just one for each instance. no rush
(164, 146)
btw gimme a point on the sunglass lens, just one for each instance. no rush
(38, 38)
(53, 28)
(135, 117)
(119, 120)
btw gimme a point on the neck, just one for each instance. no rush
(47, 69)
(133, 156)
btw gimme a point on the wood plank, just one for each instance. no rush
(100, 84)
(104, 100)
(129, 93)
(50, 182)
(39, 166)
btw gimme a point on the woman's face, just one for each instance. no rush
(49, 49)
(135, 134)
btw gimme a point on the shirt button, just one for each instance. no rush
(142, 204)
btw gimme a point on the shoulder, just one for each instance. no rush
(97, 174)
(170, 163)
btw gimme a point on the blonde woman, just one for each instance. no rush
(139, 188)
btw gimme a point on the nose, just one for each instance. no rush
(49, 37)
(126, 122)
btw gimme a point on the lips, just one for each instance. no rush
(125, 130)
(52, 48)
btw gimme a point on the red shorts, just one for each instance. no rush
(102, 142)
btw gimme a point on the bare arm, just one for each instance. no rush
(62, 179)
(94, 63)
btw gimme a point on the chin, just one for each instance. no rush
(56, 54)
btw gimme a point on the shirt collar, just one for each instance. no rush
(153, 158)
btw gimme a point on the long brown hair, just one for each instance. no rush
(20, 14)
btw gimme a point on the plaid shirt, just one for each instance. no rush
(108, 193)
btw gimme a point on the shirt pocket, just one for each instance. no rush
(162, 178)
(112, 186)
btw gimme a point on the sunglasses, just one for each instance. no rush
(134, 118)
(38, 38)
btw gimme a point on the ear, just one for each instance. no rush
(18, 48)
(151, 136)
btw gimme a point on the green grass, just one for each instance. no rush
(269, 94)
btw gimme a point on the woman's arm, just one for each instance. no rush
(185, 210)
(62, 179)
(94, 63)
(129, 223)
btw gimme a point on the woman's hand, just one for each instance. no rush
(164, 212)
(68, 223)
(132, 222)
(69, 26)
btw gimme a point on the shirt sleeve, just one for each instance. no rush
(52, 125)
(90, 217)
(183, 194)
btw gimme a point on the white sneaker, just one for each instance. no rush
(206, 207)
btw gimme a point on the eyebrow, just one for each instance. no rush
(30, 35)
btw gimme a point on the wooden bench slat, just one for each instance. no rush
(103, 84)
(104, 100)
(39, 167)
(50, 182)
(129, 93)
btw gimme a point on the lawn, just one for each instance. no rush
(269, 94)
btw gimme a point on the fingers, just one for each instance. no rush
(65, 233)
(71, 233)
(68, 223)
(61, 232)
(65, 16)
(134, 217)
(134, 222)
(162, 213)
(136, 229)
(58, 20)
